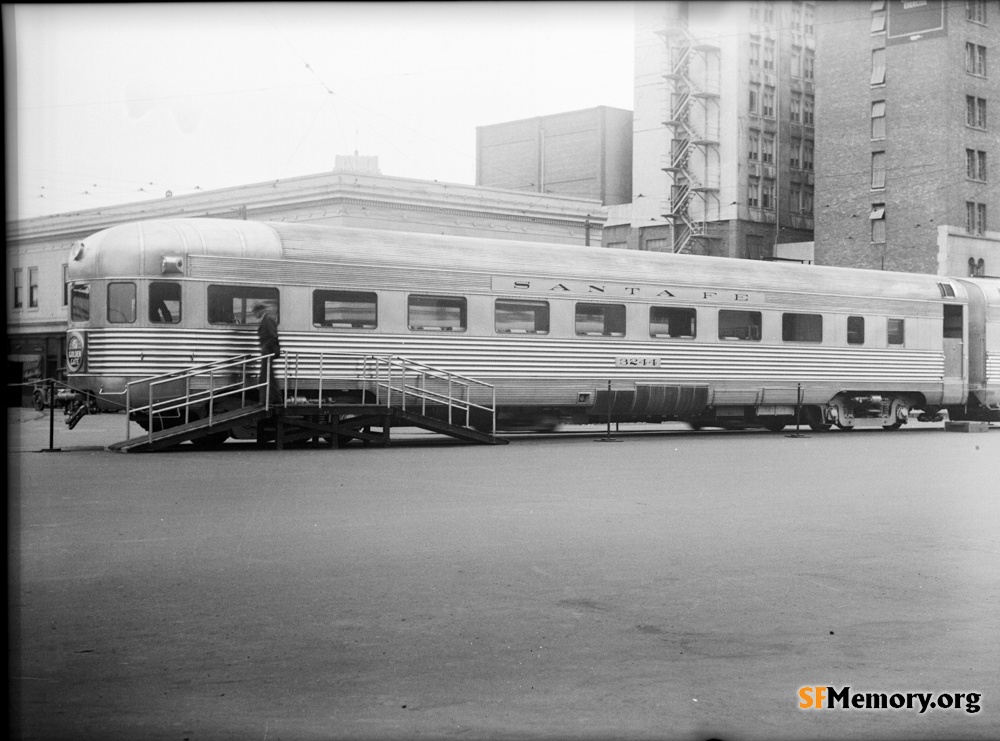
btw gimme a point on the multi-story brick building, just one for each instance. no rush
(723, 136)
(908, 136)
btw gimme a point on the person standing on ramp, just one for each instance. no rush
(270, 348)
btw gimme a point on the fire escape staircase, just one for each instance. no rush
(204, 403)
(685, 92)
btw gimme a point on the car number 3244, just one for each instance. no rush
(637, 361)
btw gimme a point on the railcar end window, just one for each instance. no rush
(672, 321)
(121, 303)
(165, 303)
(600, 320)
(739, 325)
(953, 321)
(234, 304)
(802, 327)
(79, 302)
(438, 313)
(345, 309)
(895, 331)
(855, 330)
(521, 317)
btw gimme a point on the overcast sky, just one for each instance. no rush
(121, 103)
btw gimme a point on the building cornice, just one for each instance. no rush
(322, 190)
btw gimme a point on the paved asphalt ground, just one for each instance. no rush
(677, 585)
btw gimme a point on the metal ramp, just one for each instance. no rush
(202, 404)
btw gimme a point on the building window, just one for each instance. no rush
(878, 66)
(768, 12)
(807, 155)
(769, 55)
(977, 269)
(795, 108)
(670, 321)
(755, 54)
(975, 60)
(878, 170)
(755, 99)
(438, 313)
(521, 317)
(975, 217)
(795, 154)
(795, 63)
(345, 309)
(767, 103)
(975, 112)
(739, 325)
(65, 284)
(975, 11)
(121, 303)
(801, 328)
(767, 195)
(975, 165)
(753, 153)
(895, 331)
(33, 288)
(18, 288)
(753, 193)
(855, 330)
(878, 119)
(809, 19)
(600, 320)
(808, 110)
(795, 196)
(877, 219)
(809, 65)
(807, 200)
(767, 150)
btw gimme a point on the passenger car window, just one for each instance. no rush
(165, 303)
(440, 313)
(739, 325)
(671, 321)
(521, 317)
(234, 304)
(345, 309)
(605, 320)
(121, 303)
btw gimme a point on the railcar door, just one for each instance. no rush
(953, 345)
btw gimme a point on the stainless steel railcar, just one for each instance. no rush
(564, 333)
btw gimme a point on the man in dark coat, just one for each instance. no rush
(270, 348)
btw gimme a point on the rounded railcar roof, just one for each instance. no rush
(139, 248)
(535, 259)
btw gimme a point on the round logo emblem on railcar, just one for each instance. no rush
(75, 351)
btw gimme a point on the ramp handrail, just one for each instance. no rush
(394, 381)
(242, 365)
(381, 372)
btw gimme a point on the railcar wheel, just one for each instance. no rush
(820, 426)
(846, 428)
(774, 425)
(894, 426)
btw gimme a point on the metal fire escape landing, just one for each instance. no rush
(687, 88)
